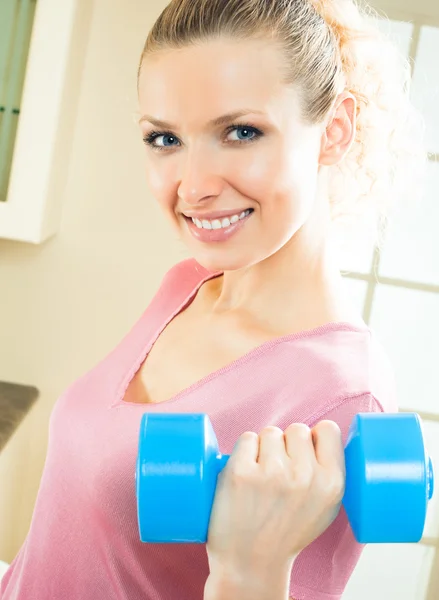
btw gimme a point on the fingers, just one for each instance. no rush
(302, 447)
(300, 450)
(293, 448)
(330, 455)
(298, 439)
(271, 446)
(328, 445)
(246, 449)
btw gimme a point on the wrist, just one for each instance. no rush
(269, 583)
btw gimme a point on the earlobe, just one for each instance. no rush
(340, 130)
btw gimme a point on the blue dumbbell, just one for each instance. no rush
(389, 477)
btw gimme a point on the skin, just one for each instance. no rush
(279, 269)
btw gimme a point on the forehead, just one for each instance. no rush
(211, 78)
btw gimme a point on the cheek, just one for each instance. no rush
(278, 176)
(160, 175)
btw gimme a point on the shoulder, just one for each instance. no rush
(340, 368)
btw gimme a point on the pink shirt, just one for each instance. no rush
(83, 542)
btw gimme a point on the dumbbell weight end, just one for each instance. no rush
(389, 478)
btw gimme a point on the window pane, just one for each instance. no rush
(425, 85)
(431, 433)
(357, 252)
(399, 32)
(411, 250)
(407, 324)
(391, 571)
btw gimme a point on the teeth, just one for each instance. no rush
(220, 224)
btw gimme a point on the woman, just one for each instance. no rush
(253, 112)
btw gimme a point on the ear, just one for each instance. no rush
(340, 130)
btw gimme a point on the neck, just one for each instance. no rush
(299, 287)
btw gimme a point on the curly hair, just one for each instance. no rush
(330, 46)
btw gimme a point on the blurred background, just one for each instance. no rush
(79, 235)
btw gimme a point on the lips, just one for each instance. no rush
(211, 216)
(222, 234)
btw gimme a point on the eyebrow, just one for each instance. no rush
(227, 118)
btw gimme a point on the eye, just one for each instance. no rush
(160, 140)
(244, 133)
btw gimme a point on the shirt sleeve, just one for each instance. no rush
(322, 570)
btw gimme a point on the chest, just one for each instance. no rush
(189, 349)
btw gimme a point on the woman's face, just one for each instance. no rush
(225, 146)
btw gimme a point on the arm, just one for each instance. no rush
(270, 583)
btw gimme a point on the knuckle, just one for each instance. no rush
(329, 428)
(277, 468)
(302, 478)
(249, 436)
(278, 483)
(274, 475)
(299, 430)
(238, 473)
(271, 430)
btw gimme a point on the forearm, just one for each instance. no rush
(262, 584)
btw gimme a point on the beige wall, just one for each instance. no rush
(426, 8)
(66, 303)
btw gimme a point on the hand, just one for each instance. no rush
(278, 492)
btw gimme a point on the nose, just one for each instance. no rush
(199, 179)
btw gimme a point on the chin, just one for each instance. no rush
(222, 262)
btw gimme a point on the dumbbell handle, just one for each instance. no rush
(223, 459)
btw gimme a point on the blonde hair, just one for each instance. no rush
(330, 46)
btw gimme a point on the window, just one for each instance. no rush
(398, 290)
